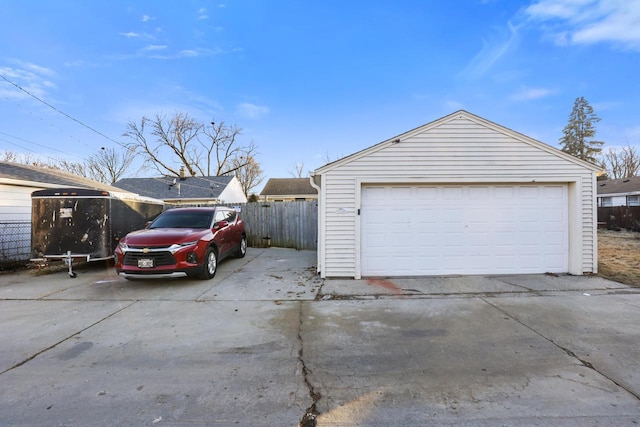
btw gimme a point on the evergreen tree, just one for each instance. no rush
(577, 133)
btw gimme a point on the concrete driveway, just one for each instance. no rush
(268, 343)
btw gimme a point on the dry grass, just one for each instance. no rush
(619, 256)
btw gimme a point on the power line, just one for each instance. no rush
(39, 155)
(30, 142)
(61, 112)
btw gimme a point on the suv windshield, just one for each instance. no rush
(183, 220)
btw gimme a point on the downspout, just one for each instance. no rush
(320, 243)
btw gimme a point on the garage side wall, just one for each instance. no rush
(457, 151)
(15, 203)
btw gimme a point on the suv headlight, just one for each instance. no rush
(177, 246)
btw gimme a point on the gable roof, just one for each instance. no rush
(454, 116)
(619, 186)
(27, 175)
(170, 187)
(288, 187)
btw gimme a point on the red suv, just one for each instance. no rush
(182, 242)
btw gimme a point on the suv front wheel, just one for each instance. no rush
(210, 265)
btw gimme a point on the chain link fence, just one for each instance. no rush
(15, 242)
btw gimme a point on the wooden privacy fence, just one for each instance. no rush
(620, 217)
(281, 224)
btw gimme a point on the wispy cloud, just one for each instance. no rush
(131, 35)
(252, 111)
(155, 47)
(37, 69)
(163, 52)
(569, 22)
(74, 63)
(492, 51)
(202, 13)
(529, 94)
(190, 53)
(147, 18)
(32, 78)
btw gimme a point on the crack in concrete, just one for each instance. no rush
(570, 353)
(44, 350)
(590, 365)
(309, 418)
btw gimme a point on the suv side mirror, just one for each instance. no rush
(221, 224)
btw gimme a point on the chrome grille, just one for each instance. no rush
(159, 258)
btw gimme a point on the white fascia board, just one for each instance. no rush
(23, 183)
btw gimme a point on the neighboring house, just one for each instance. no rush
(187, 191)
(619, 192)
(17, 182)
(459, 195)
(288, 190)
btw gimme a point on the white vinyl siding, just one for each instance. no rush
(15, 203)
(463, 149)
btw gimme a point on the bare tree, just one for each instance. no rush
(22, 158)
(222, 146)
(631, 161)
(621, 163)
(173, 142)
(297, 170)
(183, 141)
(248, 172)
(109, 164)
(330, 159)
(75, 168)
(220, 143)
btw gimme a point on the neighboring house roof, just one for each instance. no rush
(39, 177)
(619, 186)
(171, 188)
(288, 187)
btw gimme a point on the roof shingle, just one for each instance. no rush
(56, 177)
(288, 187)
(619, 186)
(169, 187)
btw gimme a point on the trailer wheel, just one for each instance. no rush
(210, 265)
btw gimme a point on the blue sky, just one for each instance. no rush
(311, 80)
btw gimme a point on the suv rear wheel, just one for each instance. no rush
(242, 250)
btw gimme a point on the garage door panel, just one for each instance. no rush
(426, 193)
(452, 193)
(464, 229)
(553, 215)
(479, 193)
(400, 194)
(554, 192)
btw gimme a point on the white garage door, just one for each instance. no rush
(464, 229)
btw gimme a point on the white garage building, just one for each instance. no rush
(460, 195)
